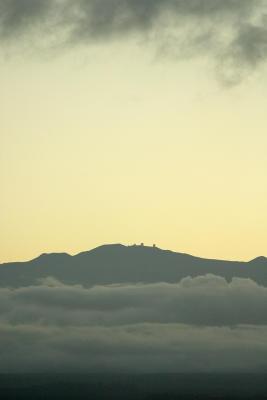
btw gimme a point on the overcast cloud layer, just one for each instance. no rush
(198, 324)
(232, 32)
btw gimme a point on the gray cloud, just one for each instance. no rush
(198, 324)
(137, 347)
(233, 32)
(21, 15)
(207, 300)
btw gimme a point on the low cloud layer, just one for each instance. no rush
(232, 32)
(205, 300)
(198, 324)
(139, 347)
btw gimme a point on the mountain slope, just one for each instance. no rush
(117, 263)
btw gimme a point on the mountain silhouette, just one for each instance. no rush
(116, 263)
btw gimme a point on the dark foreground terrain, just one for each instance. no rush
(126, 386)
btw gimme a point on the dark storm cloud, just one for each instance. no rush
(21, 15)
(232, 32)
(251, 43)
(112, 17)
(100, 17)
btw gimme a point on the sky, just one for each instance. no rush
(133, 121)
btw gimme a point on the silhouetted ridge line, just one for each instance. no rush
(116, 263)
(47, 256)
(259, 260)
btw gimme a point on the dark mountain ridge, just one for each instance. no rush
(116, 263)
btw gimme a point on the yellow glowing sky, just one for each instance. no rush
(108, 144)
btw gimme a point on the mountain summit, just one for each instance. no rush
(116, 263)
